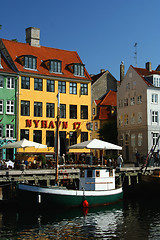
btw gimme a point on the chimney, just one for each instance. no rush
(149, 66)
(121, 71)
(92, 75)
(33, 36)
(102, 70)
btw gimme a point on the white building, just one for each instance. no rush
(138, 110)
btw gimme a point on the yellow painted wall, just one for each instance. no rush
(51, 97)
(95, 133)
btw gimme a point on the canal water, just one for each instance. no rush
(129, 219)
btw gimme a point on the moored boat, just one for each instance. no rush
(150, 183)
(96, 187)
(153, 178)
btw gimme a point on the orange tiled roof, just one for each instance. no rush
(17, 49)
(104, 109)
(110, 99)
(97, 101)
(5, 66)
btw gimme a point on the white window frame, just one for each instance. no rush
(55, 66)
(9, 107)
(9, 131)
(1, 106)
(79, 69)
(156, 81)
(10, 83)
(154, 98)
(154, 138)
(30, 62)
(154, 117)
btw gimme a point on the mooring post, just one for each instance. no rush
(129, 180)
(48, 182)
(137, 178)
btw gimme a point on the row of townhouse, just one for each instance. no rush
(31, 76)
(134, 101)
(138, 111)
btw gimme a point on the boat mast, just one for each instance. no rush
(57, 135)
(150, 154)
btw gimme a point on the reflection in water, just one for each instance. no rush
(125, 220)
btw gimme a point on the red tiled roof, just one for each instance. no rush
(6, 68)
(143, 72)
(97, 101)
(104, 109)
(16, 49)
(110, 99)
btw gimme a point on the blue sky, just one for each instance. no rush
(103, 32)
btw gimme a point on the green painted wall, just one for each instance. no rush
(8, 94)
(5, 118)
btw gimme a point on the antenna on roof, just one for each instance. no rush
(135, 53)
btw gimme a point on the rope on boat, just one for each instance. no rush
(149, 155)
(121, 175)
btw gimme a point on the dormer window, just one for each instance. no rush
(30, 62)
(78, 69)
(156, 81)
(55, 66)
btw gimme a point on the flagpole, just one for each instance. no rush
(57, 136)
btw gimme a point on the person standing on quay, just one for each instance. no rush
(119, 160)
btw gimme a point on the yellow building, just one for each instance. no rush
(43, 72)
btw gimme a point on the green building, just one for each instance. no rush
(8, 89)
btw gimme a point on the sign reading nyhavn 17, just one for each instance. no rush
(50, 124)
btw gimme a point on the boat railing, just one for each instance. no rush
(39, 185)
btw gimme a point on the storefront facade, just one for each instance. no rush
(45, 73)
(38, 113)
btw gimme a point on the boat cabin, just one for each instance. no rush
(97, 179)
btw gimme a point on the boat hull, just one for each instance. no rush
(54, 197)
(150, 185)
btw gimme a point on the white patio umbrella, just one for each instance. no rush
(24, 143)
(96, 144)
